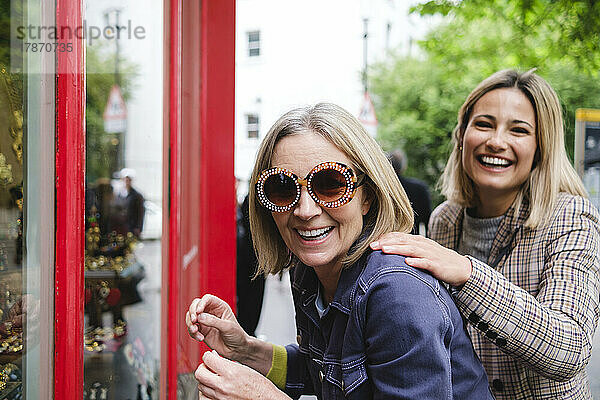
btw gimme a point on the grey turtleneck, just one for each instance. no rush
(478, 235)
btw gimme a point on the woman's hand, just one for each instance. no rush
(420, 252)
(211, 320)
(219, 378)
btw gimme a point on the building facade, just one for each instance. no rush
(291, 54)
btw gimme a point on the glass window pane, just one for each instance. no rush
(124, 136)
(252, 125)
(254, 44)
(26, 204)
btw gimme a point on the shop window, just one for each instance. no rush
(252, 125)
(26, 205)
(254, 44)
(123, 202)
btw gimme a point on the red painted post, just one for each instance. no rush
(70, 187)
(201, 230)
(174, 218)
(217, 180)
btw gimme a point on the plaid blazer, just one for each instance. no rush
(533, 306)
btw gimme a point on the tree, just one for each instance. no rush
(101, 146)
(558, 28)
(417, 98)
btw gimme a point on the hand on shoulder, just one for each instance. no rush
(420, 252)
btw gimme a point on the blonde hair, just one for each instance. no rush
(390, 208)
(552, 171)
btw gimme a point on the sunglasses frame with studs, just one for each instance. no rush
(350, 179)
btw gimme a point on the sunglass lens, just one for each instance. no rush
(280, 189)
(329, 185)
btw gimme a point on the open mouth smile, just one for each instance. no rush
(494, 162)
(314, 234)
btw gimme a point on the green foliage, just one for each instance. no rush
(563, 28)
(417, 98)
(13, 13)
(101, 153)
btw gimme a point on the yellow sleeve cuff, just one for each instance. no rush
(278, 372)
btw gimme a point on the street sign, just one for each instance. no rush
(367, 115)
(587, 150)
(115, 113)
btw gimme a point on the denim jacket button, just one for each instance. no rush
(299, 339)
(321, 376)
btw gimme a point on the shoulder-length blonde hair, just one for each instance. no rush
(551, 173)
(390, 208)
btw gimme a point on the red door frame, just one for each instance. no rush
(70, 182)
(172, 120)
(215, 262)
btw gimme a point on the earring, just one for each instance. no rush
(460, 148)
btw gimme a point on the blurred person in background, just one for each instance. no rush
(250, 287)
(517, 240)
(132, 202)
(416, 190)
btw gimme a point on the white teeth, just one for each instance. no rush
(314, 233)
(499, 162)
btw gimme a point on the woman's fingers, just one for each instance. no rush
(215, 306)
(421, 263)
(420, 252)
(216, 363)
(192, 309)
(202, 397)
(206, 392)
(193, 329)
(206, 312)
(397, 238)
(214, 322)
(209, 375)
(206, 377)
(405, 244)
(221, 379)
(388, 238)
(206, 303)
(188, 321)
(402, 249)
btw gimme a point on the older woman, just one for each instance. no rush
(369, 326)
(530, 283)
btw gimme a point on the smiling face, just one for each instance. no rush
(499, 146)
(320, 237)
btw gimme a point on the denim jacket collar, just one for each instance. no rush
(347, 284)
(306, 283)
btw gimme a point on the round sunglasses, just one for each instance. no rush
(330, 184)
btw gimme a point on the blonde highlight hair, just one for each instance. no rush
(390, 208)
(552, 171)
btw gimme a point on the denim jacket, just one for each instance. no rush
(391, 332)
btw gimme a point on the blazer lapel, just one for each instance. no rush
(506, 237)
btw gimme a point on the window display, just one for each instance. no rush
(14, 301)
(122, 264)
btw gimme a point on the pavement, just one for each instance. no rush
(277, 326)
